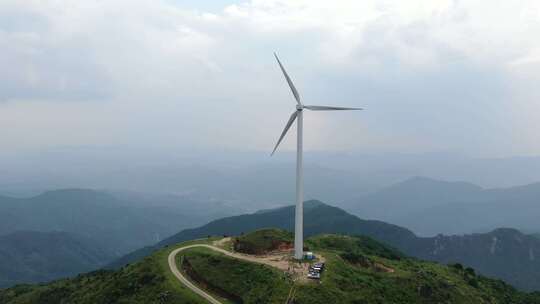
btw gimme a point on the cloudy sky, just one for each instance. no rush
(458, 76)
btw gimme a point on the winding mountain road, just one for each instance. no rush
(183, 279)
(197, 290)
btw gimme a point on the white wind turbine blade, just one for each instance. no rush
(289, 81)
(326, 108)
(289, 123)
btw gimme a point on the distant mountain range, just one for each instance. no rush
(428, 207)
(250, 180)
(30, 256)
(503, 253)
(121, 222)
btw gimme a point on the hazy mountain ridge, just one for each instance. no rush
(120, 224)
(451, 207)
(90, 228)
(244, 177)
(30, 256)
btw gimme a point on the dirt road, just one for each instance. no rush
(282, 261)
(197, 290)
(184, 280)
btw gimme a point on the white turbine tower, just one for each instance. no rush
(299, 211)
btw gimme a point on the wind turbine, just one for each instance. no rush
(298, 114)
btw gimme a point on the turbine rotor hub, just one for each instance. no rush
(299, 107)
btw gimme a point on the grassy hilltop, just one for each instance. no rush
(264, 240)
(358, 270)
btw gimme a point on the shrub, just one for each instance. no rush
(356, 259)
(457, 266)
(469, 271)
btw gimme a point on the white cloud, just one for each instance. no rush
(166, 73)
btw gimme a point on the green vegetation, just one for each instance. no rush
(239, 281)
(354, 244)
(358, 270)
(262, 241)
(518, 264)
(362, 271)
(146, 282)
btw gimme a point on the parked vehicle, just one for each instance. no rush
(314, 275)
(315, 271)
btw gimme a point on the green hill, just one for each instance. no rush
(318, 218)
(358, 270)
(506, 254)
(148, 281)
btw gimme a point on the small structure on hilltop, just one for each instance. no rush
(309, 255)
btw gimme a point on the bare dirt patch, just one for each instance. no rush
(223, 243)
(280, 259)
(382, 268)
